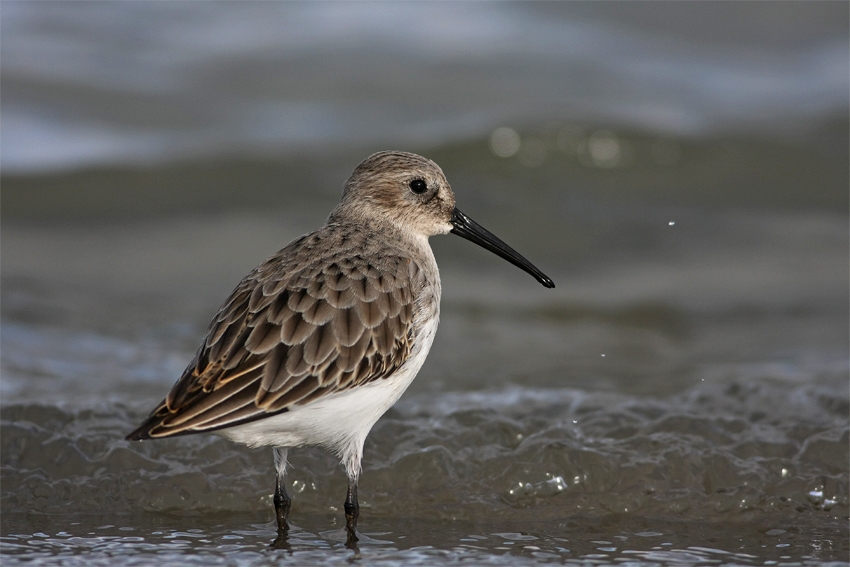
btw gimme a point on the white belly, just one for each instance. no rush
(339, 422)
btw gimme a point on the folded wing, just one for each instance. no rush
(285, 339)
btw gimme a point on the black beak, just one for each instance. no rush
(474, 232)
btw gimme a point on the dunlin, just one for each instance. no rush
(318, 341)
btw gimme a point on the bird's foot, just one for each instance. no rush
(351, 538)
(282, 541)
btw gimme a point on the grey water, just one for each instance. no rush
(679, 169)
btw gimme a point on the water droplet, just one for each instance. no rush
(556, 484)
(504, 142)
(602, 149)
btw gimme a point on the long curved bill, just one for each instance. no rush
(474, 232)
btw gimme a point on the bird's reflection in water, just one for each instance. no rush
(282, 540)
(351, 539)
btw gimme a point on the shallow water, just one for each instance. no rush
(681, 396)
(243, 540)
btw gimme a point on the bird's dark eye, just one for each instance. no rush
(418, 186)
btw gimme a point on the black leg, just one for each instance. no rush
(281, 508)
(282, 502)
(352, 511)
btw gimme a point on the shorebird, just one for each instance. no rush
(321, 339)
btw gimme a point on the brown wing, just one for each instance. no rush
(284, 339)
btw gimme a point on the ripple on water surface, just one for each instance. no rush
(243, 540)
(515, 457)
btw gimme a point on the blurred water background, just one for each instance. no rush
(679, 169)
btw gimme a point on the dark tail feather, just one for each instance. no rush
(144, 430)
(152, 428)
(140, 433)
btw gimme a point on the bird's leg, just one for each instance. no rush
(352, 511)
(282, 502)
